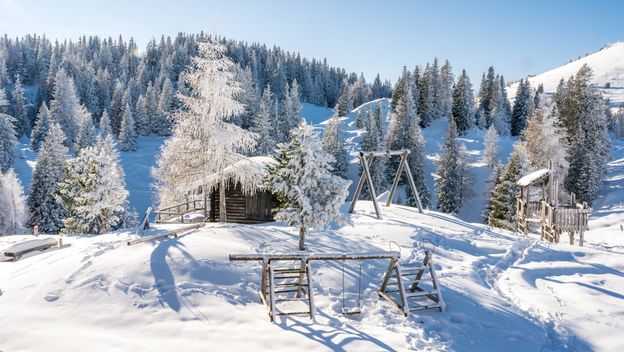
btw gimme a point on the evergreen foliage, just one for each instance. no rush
(42, 125)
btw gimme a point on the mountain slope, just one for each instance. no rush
(607, 65)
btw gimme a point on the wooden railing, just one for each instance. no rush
(179, 210)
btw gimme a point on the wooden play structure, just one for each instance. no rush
(16, 251)
(165, 234)
(366, 159)
(538, 203)
(237, 194)
(288, 278)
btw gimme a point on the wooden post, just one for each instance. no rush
(222, 214)
(359, 187)
(395, 183)
(205, 205)
(370, 185)
(410, 178)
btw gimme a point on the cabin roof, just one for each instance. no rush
(533, 178)
(249, 173)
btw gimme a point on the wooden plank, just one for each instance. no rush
(174, 233)
(19, 249)
(316, 256)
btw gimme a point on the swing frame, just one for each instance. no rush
(353, 310)
(365, 159)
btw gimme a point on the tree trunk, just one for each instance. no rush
(302, 232)
(222, 215)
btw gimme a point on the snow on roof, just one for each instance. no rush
(533, 177)
(249, 173)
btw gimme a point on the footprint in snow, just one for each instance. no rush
(52, 296)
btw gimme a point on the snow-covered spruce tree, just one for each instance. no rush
(485, 96)
(427, 105)
(42, 125)
(141, 119)
(163, 119)
(93, 191)
(405, 133)
(332, 144)
(204, 141)
(490, 153)
(291, 112)
(345, 101)
(463, 104)
(309, 195)
(446, 89)
(399, 88)
(86, 136)
(65, 108)
(115, 109)
(20, 108)
(248, 97)
(12, 203)
(499, 115)
(495, 179)
(45, 211)
(449, 170)
(105, 127)
(522, 107)
(127, 135)
(263, 125)
(7, 137)
(503, 197)
(373, 141)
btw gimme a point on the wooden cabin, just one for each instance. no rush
(236, 194)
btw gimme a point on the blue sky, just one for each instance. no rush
(517, 37)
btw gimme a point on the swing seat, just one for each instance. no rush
(351, 311)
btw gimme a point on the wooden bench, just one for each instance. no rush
(19, 249)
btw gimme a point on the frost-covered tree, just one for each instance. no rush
(309, 194)
(490, 153)
(142, 118)
(248, 97)
(163, 118)
(449, 170)
(42, 125)
(291, 112)
(503, 197)
(446, 89)
(463, 104)
(12, 203)
(105, 127)
(65, 108)
(544, 140)
(45, 211)
(115, 109)
(127, 135)
(332, 144)
(86, 133)
(405, 133)
(204, 141)
(345, 101)
(263, 125)
(7, 137)
(20, 108)
(495, 179)
(499, 114)
(522, 107)
(373, 141)
(93, 191)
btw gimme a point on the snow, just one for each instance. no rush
(502, 290)
(530, 178)
(249, 172)
(607, 65)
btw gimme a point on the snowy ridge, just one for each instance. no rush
(607, 65)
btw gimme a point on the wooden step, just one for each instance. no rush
(432, 306)
(419, 293)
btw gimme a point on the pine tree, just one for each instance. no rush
(405, 133)
(486, 93)
(446, 89)
(204, 142)
(65, 107)
(94, 191)
(490, 153)
(7, 137)
(495, 179)
(12, 203)
(345, 101)
(263, 124)
(503, 197)
(42, 125)
(248, 97)
(373, 141)
(45, 211)
(463, 104)
(499, 115)
(522, 107)
(291, 112)
(105, 127)
(332, 144)
(86, 133)
(127, 135)
(449, 181)
(162, 120)
(309, 195)
(115, 109)
(20, 108)
(142, 119)
(399, 89)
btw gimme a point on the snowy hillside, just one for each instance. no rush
(502, 291)
(607, 65)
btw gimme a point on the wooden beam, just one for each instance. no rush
(410, 178)
(316, 256)
(359, 187)
(395, 183)
(371, 187)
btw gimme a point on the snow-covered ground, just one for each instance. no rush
(503, 291)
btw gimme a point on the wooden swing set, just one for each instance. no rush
(366, 159)
(287, 278)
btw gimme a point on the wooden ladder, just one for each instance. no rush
(415, 287)
(284, 284)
